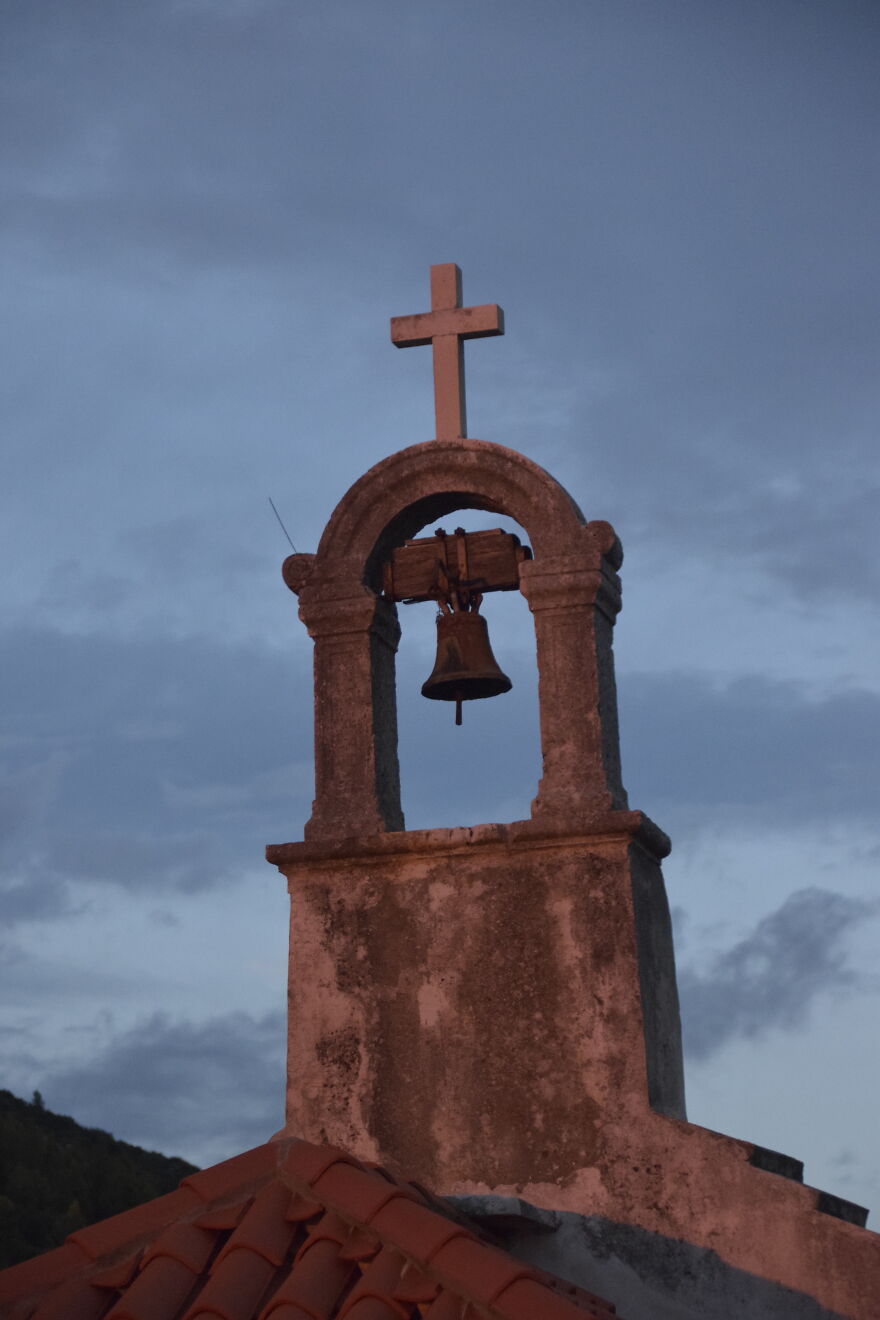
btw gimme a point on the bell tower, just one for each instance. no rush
(493, 1009)
(455, 993)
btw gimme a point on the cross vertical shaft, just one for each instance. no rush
(450, 407)
(445, 328)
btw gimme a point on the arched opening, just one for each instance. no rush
(488, 769)
(573, 595)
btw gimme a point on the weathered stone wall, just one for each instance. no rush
(469, 1002)
(494, 1010)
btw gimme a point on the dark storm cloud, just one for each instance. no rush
(771, 978)
(182, 1087)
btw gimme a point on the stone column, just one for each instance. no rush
(357, 780)
(575, 599)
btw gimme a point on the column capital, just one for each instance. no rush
(349, 615)
(571, 582)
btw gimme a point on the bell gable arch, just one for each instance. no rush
(572, 589)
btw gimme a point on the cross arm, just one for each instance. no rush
(465, 322)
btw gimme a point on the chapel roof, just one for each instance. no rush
(288, 1231)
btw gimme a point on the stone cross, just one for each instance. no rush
(445, 328)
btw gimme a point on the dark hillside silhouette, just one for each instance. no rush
(56, 1176)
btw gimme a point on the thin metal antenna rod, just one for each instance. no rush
(281, 524)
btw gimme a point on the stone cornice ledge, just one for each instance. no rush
(547, 832)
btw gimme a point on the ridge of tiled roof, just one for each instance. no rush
(288, 1231)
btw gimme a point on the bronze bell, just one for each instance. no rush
(465, 668)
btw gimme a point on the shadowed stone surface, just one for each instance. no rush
(649, 1276)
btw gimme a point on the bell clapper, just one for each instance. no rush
(458, 708)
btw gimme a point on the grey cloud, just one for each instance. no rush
(771, 978)
(21, 1061)
(27, 794)
(806, 522)
(823, 542)
(171, 763)
(722, 254)
(772, 470)
(195, 154)
(757, 747)
(28, 978)
(187, 861)
(45, 899)
(204, 1090)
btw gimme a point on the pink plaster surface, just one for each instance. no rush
(465, 1005)
(494, 1009)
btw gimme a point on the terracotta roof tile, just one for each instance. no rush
(224, 1220)
(73, 1301)
(359, 1245)
(161, 1288)
(372, 1296)
(288, 1231)
(223, 1180)
(134, 1226)
(42, 1272)
(362, 1192)
(302, 1208)
(288, 1311)
(308, 1162)
(415, 1286)
(236, 1287)
(478, 1271)
(313, 1288)
(446, 1307)
(264, 1228)
(189, 1244)
(118, 1276)
(329, 1228)
(416, 1230)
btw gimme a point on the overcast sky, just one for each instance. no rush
(211, 208)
